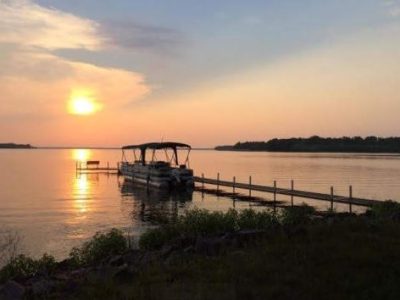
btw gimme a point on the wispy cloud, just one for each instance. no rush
(132, 35)
(28, 24)
(394, 7)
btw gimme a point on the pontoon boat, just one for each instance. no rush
(167, 173)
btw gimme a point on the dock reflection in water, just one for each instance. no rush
(153, 206)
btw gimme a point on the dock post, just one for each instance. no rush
(332, 198)
(202, 185)
(108, 165)
(292, 189)
(274, 197)
(234, 185)
(249, 186)
(350, 198)
(217, 183)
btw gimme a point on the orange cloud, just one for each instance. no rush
(25, 23)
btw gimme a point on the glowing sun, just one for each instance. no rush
(82, 105)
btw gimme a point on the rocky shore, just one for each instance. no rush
(64, 281)
(297, 254)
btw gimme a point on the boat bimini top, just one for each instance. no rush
(142, 148)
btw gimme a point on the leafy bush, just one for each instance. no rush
(297, 215)
(155, 238)
(102, 245)
(200, 222)
(250, 219)
(203, 222)
(387, 210)
(23, 266)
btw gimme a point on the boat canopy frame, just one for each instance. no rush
(157, 146)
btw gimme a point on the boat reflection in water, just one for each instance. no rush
(154, 206)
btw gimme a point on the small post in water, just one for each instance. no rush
(292, 189)
(332, 198)
(350, 198)
(234, 185)
(217, 183)
(249, 186)
(202, 181)
(274, 190)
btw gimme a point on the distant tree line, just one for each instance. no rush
(319, 144)
(15, 146)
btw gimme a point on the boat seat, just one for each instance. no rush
(94, 163)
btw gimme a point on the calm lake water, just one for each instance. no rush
(53, 209)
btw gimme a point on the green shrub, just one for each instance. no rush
(102, 245)
(250, 219)
(387, 210)
(296, 215)
(200, 222)
(203, 222)
(23, 266)
(155, 238)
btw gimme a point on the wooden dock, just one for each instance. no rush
(95, 167)
(350, 200)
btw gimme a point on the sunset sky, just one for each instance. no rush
(108, 73)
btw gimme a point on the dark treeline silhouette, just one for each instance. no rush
(15, 146)
(319, 144)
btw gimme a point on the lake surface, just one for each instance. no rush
(53, 209)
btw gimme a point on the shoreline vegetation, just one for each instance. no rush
(15, 146)
(371, 144)
(294, 254)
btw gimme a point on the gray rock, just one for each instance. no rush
(182, 242)
(189, 249)
(167, 250)
(246, 236)
(43, 287)
(79, 273)
(150, 258)
(210, 246)
(12, 290)
(117, 260)
(124, 273)
(133, 257)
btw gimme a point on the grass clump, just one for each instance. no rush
(102, 245)
(23, 266)
(385, 211)
(201, 222)
(297, 215)
(345, 259)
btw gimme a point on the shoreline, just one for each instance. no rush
(198, 254)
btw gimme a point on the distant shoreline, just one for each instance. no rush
(84, 147)
(317, 144)
(15, 146)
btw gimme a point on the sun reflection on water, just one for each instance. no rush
(81, 192)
